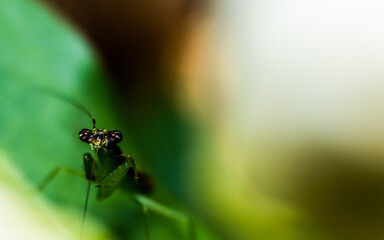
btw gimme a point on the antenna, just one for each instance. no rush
(72, 102)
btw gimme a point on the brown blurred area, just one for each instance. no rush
(341, 192)
(138, 41)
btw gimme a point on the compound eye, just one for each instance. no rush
(85, 135)
(115, 137)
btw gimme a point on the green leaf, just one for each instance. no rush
(24, 213)
(39, 132)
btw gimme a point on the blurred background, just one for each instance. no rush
(258, 119)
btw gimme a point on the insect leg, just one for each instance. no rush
(147, 232)
(53, 174)
(131, 164)
(89, 166)
(87, 158)
(148, 203)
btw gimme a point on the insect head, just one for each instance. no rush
(100, 137)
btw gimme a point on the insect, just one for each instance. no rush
(109, 169)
